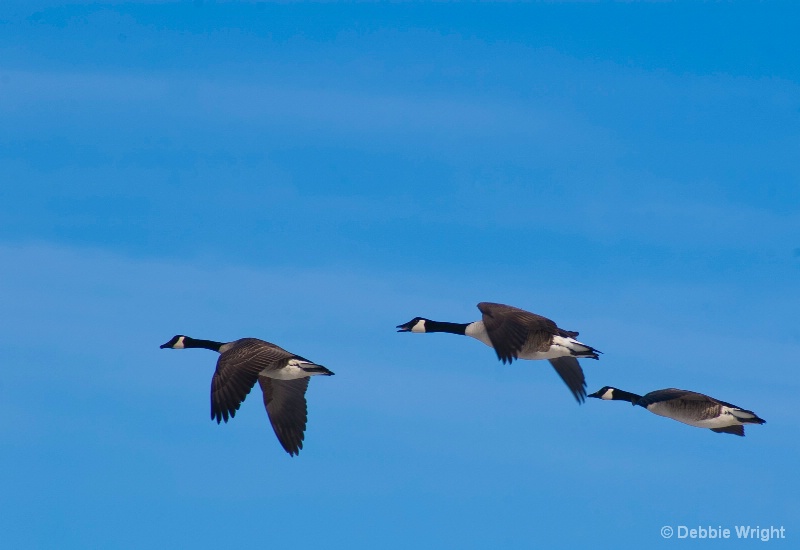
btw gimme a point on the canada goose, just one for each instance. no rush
(692, 408)
(518, 334)
(283, 377)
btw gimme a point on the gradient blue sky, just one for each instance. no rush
(315, 175)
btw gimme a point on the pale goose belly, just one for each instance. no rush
(291, 371)
(559, 348)
(552, 353)
(695, 417)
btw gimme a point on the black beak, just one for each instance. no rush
(404, 328)
(163, 346)
(595, 394)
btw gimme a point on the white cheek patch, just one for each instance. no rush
(419, 326)
(608, 395)
(179, 344)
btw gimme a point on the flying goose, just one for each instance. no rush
(518, 334)
(283, 377)
(692, 408)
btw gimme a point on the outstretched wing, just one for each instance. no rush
(511, 329)
(285, 401)
(571, 373)
(237, 372)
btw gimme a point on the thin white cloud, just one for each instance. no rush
(23, 88)
(431, 117)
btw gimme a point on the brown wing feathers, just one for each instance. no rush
(236, 374)
(512, 329)
(285, 401)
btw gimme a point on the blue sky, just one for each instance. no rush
(314, 175)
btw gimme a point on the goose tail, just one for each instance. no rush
(747, 417)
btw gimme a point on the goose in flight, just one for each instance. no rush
(518, 334)
(692, 408)
(283, 377)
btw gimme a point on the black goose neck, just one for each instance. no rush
(442, 326)
(205, 344)
(621, 395)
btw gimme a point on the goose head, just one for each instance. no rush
(606, 392)
(417, 324)
(177, 342)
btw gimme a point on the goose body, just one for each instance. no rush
(282, 375)
(688, 407)
(533, 348)
(514, 333)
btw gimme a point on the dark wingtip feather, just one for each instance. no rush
(571, 373)
(505, 358)
(579, 394)
(295, 451)
(222, 415)
(291, 447)
(735, 430)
